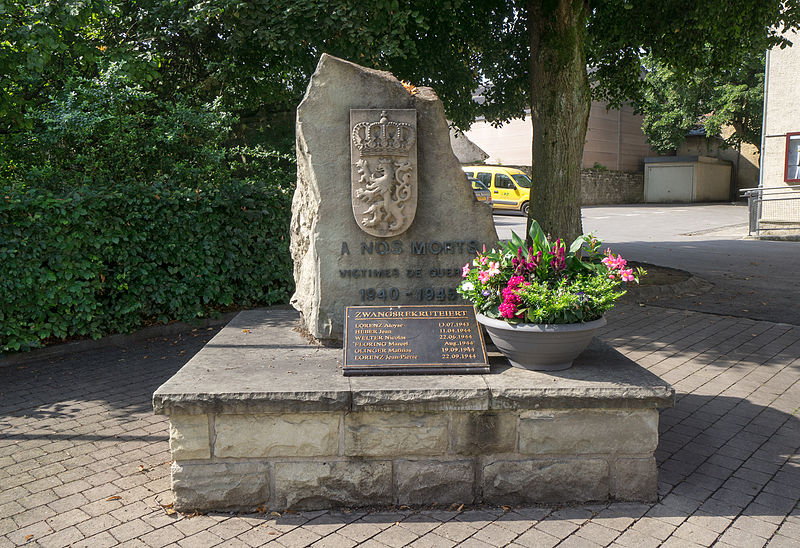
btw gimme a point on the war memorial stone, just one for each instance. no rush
(382, 213)
(261, 417)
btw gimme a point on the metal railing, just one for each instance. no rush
(773, 209)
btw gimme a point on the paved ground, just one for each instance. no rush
(84, 462)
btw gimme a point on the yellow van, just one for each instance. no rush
(510, 188)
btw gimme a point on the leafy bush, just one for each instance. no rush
(90, 262)
(107, 131)
(118, 210)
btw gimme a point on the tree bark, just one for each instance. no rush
(560, 101)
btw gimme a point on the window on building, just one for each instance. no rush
(792, 168)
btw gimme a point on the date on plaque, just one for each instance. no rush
(413, 339)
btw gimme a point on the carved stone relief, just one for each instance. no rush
(383, 155)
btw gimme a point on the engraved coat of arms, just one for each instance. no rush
(383, 153)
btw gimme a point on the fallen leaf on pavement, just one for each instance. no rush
(113, 497)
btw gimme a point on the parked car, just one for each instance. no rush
(510, 188)
(482, 193)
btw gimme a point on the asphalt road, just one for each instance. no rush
(755, 279)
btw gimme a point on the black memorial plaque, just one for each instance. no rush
(391, 340)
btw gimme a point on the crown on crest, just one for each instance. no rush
(383, 137)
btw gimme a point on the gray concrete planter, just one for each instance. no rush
(540, 347)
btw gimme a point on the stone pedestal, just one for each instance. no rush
(260, 417)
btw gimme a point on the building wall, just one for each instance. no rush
(614, 140)
(782, 109)
(744, 162)
(782, 116)
(605, 186)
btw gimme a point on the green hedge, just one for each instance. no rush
(89, 262)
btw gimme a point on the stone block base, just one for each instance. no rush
(283, 428)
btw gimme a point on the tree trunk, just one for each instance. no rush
(560, 101)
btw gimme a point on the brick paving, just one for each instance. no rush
(84, 462)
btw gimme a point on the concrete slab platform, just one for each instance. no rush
(261, 417)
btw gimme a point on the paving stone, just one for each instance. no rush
(371, 543)
(334, 540)
(229, 528)
(298, 538)
(100, 540)
(260, 535)
(203, 539)
(59, 539)
(779, 541)
(514, 522)
(557, 527)
(432, 540)
(31, 532)
(534, 538)
(741, 538)
(675, 542)
(65, 504)
(67, 519)
(597, 533)
(758, 527)
(360, 531)
(696, 533)
(98, 524)
(495, 535)
(162, 537)
(129, 530)
(395, 536)
(7, 525)
(325, 524)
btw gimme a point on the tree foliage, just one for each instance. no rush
(674, 103)
(113, 90)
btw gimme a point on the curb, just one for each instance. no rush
(119, 340)
(694, 285)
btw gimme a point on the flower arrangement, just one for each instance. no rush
(546, 283)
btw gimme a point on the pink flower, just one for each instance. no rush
(614, 262)
(558, 262)
(494, 268)
(465, 271)
(508, 309)
(626, 275)
(483, 276)
(483, 259)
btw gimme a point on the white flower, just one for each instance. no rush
(467, 286)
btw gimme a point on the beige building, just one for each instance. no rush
(614, 140)
(781, 136)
